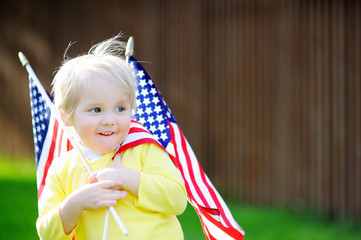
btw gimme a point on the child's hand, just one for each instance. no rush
(128, 177)
(113, 172)
(90, 196)
(98, 195)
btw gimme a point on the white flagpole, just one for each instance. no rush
(129, 49)
(106, 225)
(25, 62)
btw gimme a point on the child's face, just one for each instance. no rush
(102, 117)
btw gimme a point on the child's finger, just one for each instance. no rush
(117, 160)
(93, 177)
(110, 184)
(111, 199)
(106, 203)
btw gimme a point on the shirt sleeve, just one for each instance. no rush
(49, 223)
(161, 187)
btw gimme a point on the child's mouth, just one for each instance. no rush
(106, 133)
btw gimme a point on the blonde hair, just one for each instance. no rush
(105, 59)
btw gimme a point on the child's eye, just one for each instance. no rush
(120, 109)
(96, 110)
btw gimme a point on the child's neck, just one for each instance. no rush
(90, 155)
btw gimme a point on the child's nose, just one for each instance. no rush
(108, 119)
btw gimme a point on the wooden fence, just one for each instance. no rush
(267, 92)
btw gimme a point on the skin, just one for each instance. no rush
(102, 120)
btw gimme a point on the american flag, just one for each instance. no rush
(49, 139)
(153, 113)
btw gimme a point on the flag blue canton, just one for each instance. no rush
(40, 116)
(152, 111)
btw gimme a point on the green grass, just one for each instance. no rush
(277, 224)
(18, 209)
(18, 214)
(280, 223)
(18, 199)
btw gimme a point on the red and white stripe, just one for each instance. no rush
(137, 135)
(217, 220)
(54, 145)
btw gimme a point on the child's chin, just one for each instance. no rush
(108, 149)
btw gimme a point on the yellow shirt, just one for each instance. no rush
(150, 216)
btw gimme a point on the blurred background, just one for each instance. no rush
(267, 92)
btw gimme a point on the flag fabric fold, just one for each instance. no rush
(153, 122)
(154, 114)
